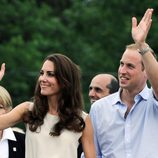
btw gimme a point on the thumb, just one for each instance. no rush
(134, 22)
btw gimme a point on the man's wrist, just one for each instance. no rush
(144, 48)
(143, 51)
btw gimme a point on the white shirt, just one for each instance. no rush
(4, 146)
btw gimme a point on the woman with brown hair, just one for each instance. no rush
(55, 121)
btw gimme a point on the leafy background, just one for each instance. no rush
(93, 33)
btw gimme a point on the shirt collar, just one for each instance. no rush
(144, 94)
(116, 99)
(8, 134)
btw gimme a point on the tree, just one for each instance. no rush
(92, 33)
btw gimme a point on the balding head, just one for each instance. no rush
(101, 86)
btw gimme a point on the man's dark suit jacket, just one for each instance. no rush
(17, 148)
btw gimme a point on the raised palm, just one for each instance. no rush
(140, 31)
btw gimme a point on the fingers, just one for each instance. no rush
(148, 14)
(3, 67)
(140, 30)
(147, 19)
(134, 22)
(149, 25)
(2, 71)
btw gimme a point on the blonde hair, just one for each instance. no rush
(5, 98)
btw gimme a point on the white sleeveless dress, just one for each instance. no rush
(41, 145)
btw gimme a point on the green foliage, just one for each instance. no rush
(92, 33)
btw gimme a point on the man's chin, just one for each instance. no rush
(123, 86)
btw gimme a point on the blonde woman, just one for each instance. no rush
(12, 144)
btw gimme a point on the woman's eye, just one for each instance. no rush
(51, 74)
(41, 73)
(1, 107)
(47, 73)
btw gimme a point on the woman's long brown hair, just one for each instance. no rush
(70, 102)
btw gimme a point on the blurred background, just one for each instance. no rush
(93, 33)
